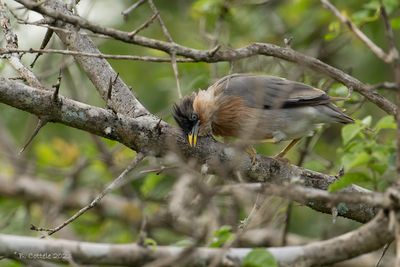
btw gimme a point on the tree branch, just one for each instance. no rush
(357, 32)
(12, 43)
(367, 238)
(55, 10)
(149, 135)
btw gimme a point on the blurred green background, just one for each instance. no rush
(202, 24)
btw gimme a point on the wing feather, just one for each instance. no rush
(269, 92)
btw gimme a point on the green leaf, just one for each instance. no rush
(349, 132)
(348, 179)
(367, 121)
(330, 36)
(395, 22)
(150, 242)
(386, 122)
(379, 167)
(352, 161)
(221, 236)
(339, 90)
(334, 30)
(372, 5)
(364, 16)
(259, 257)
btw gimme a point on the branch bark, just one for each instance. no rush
(367, 238)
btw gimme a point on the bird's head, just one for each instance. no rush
(187, 119)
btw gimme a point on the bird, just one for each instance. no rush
(256, 107)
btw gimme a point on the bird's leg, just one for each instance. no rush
(287, 148)
(252, 152)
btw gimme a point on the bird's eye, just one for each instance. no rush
(194, 117)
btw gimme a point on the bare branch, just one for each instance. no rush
(12, 43)
(145, 24)
(305, 194)
(360, 35)
(221, 55)
(319, 253)
(385, 85)
(46, 40)
(126, 12)
(169, 38)
(393, 50)
(4, 51)
(41, 122)
(96, 68)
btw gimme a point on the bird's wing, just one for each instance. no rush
(270, 92)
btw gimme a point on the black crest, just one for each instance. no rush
(184, 114)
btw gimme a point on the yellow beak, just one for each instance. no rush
(192, 136)
(192, 139)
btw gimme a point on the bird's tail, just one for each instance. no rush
(336, 114)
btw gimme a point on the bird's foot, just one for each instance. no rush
(281, 157)
(252, 152)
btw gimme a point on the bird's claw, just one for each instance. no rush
(281, 157)
(252, 152)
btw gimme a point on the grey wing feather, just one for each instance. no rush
(270, 92)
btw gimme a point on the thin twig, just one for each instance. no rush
(239, 233)
(4, 51)
(117, 182)
(305, 194)
(126, 12)
(55, 28)
(57, 87)
(176, 74)
(224, 55)
(12, 43)
(169, 38)
(144, 25)
(42, 122)
(46, 40)
(303, 155)
(394, 53)
(385, 248)
(360, 35)
(385, 85)
(393, 50)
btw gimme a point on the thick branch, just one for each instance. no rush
(367, 238)
(57, 11)
(152, 136)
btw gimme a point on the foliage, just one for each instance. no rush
(366, 154)
(221, 236)
(364, 149)
(259, 257)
